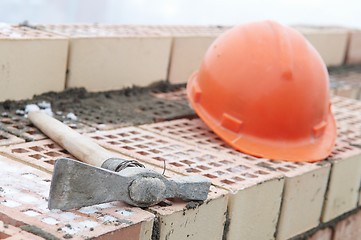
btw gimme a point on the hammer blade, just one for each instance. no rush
(76, 184)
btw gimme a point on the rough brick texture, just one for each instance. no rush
(349, 228)
(247, 182)
(300, 177)
(23, 203)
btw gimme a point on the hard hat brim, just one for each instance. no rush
(316, 149)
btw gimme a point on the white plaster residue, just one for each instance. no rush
(50, 221)
(68, 215)
(71, 116)
(104, 205)
(31, 108)
(10, 203)
(124, 212)
(88, 210)
(25, 198)
(70, 229)
(107, 219)
(44, 105)
(29, 175)
(31, 213)
(88, 224)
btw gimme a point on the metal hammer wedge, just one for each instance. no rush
(103, 178)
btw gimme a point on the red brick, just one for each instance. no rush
(349, 228)
(299, 213)
(39, 154)
(14, 233)
(323, 234)
(23, 201)
(233, 173)
(9, 139)
(200, 217)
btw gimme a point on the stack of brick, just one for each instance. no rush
(289, 200)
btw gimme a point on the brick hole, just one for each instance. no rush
(2, 137)
(238, 179)
(214, 164)
(208, 175)
(209, 157)
(113, 143)
(282, 169)
(19, 150)
(219, 173)
(161, 141)
(187, 162)
(134, 132)
(32, 132)
(6, 121)
(128, 148)
(261, 172)
(4, 235)
(225, 162)
(19, 127)
(159, 159)
(37, 149)
(165, 149)
(31, 212)
(290, 166)
(237, 169)
(52, 154)
(64, 151)
(154, 151)
(36, 156)
(192, 170)
(97, 138)
(249, 175)
(299, 163)
(123, 134)
(147, 137)
(141, 146)
(176, 147)
(136, 139)
(203, 167)
(143, 153)
(226, 181)
(110, 136)
(176, 164)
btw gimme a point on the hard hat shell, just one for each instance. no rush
(263, 89)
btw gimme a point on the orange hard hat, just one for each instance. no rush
(263, 89)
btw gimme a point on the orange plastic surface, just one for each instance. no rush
(263, 89)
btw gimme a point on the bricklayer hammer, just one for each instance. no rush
(101, 177)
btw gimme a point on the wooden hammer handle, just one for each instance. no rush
(80, 146)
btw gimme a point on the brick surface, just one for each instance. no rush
(330, 42)
(189, 45)
(176, 218)
(138, 56)
(299, 213)
(39, 154)
(23, 203)
(39, 57)
(15, 233)
(344, 184)
(187, 55)
(9, 139)
(247, 183)
(349, 228)
(354, 48)
(20, 126)
(323, 234)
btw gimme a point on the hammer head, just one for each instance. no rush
(76, 184)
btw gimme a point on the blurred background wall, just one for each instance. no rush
(223, 12)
